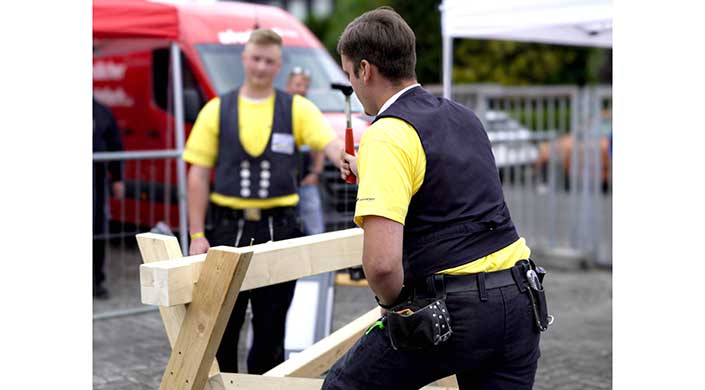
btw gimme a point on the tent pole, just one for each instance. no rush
(179, 128)
(447, 65)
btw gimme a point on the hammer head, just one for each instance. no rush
(344, 88)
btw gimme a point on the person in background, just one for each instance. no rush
(251, 137)
(309, 207)
(106, 138)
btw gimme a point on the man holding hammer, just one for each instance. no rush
(458, 292)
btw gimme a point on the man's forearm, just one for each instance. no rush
(385, 285)
(317, 166)
(197, 198)
(382, 257)
(333, 150)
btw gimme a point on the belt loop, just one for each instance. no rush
(430, 286)
(481, 286)
(439, 286)
(240, 225)
(518, 278)
(271, 228)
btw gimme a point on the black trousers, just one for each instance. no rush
(269, 304)
(98, 262)
(494, 345)
(100, 222)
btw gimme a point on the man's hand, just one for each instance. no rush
(118, 190)
(310, 180)
(198, 246)
(348, 164)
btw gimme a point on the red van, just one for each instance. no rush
(132, 72)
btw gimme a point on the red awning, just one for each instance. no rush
(134, 19)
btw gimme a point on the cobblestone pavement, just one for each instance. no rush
(131, 351)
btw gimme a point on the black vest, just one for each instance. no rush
(458, 214)
(269, 175)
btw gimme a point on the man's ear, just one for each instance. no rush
(365, 71)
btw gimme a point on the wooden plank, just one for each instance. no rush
(206, 317)
(449, 381)
(258, 382)
(318, 358)
(171, 283)
(158, 247)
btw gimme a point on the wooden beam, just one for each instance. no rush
(318, 358)
(258, 382)
(449, 381)
(158, 247)
(206, 317)
(171, 283)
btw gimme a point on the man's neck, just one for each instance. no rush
(252, 92)
(390, 90)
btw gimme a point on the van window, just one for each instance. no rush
(224, 67)
(194, 98)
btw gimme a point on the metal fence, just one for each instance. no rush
(551, 145)
(154, 200)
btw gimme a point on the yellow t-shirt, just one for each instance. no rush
(391, 166)
(255, 119)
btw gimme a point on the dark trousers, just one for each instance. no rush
(494, 345)
(98, 261)
(100, 222)
(269, 304)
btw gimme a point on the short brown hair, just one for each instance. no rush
(265, 36)
(383, 38)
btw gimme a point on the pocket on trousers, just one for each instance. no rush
(419, 325)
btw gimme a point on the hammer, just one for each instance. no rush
(349, 141)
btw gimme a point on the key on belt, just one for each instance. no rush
(252, 214)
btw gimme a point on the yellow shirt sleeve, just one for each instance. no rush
(391, 165)
(202, 145)
(310, 126)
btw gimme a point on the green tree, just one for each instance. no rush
(424, 17)
(328, 29)
(474, 61)
(517, 63)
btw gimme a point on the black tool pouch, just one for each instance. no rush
(534, 283)
(426, 324)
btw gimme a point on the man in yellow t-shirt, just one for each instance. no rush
(437, 232)
(249, 139)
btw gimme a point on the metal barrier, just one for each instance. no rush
(154, 200)
(145, 191)
(552, 145)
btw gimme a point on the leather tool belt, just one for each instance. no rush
(421, 320)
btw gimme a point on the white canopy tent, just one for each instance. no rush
(563, 22)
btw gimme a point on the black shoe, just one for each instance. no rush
(100, 292)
